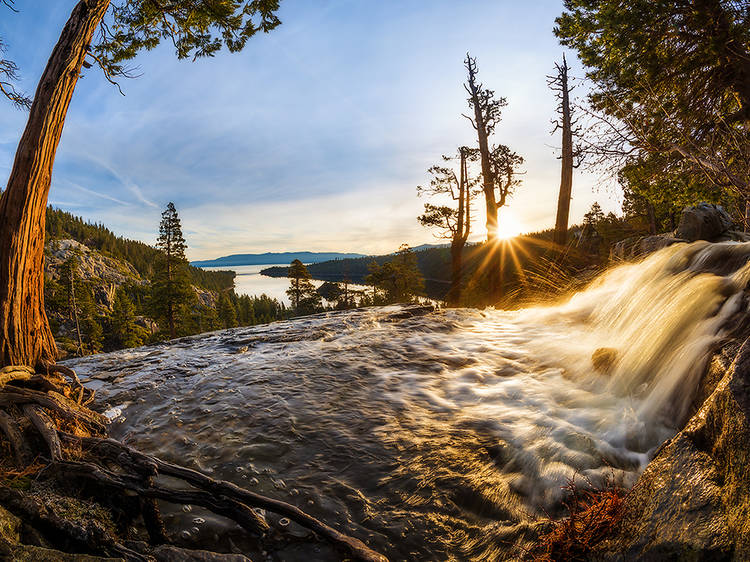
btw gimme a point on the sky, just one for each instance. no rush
(315, 136)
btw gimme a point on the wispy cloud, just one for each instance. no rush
(314, 137)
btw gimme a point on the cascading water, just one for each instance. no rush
(440, 435)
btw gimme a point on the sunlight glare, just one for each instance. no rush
(508, 226)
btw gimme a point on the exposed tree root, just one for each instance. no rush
(12, 432)
(74, 438)
(90, 535)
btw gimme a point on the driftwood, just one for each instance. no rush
(109, 464)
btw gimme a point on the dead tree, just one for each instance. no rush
(487, 112)
(570, 154)
(452, 222)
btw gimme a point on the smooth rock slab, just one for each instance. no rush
(693, 500)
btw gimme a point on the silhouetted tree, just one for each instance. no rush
(451, 222)
(570, 154)
(487, 113)
(196, 28)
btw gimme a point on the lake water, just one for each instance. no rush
(250, 282)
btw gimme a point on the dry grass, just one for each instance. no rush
(592, 515)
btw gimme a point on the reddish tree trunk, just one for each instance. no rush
(25, 336)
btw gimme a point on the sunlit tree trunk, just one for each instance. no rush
(25, 335)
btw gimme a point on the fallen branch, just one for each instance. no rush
(242, 514)
(60, 404)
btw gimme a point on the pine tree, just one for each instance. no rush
(171, 292)
(227, 312)
(399, 279)
(125, 332)
(305, 298)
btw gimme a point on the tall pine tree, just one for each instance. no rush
(171, 292)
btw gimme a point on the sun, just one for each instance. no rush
(508, 226)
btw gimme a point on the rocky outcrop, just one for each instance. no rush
(638, 246)
(91, 263)
(693, 500)
(705, 221)
(108, 273)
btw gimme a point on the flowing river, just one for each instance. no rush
(432, 435)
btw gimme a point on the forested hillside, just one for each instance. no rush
(61, 224)
(101, 291)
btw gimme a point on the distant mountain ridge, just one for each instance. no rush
(269, 258)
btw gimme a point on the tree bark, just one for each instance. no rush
(25, 335)
(566, 174)
(488, 186)
(460, 235)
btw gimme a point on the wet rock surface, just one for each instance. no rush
(705, 221)
(693, 500)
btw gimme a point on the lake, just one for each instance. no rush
(250, 282)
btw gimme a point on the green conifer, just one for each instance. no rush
(305, 298)
(171, 292)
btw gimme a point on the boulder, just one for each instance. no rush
(693, 500)
(637, 246)
(604, 359)
(705, 221)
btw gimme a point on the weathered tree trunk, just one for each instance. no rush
(454, 293)
(25, 336)
(488, 186)
(566, 175)
(461, 234)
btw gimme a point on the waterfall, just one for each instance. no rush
(437, 435)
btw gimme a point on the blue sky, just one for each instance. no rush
(312, 138)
